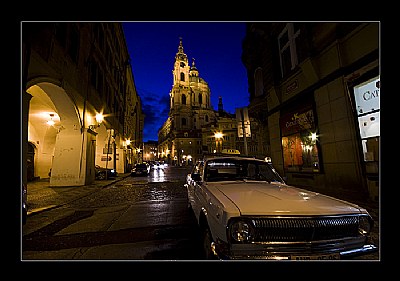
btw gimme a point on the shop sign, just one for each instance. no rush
(297, 121)
(367, 96)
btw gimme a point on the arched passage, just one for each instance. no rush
(62, 146)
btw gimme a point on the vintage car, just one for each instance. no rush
(245, 210)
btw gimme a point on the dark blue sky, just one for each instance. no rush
(216, 48)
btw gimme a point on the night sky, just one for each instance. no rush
(216, 48)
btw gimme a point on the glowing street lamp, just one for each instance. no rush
(218, 138)
(99, 119)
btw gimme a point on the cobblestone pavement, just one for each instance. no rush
(41, 196)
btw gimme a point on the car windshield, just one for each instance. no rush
(240, 169)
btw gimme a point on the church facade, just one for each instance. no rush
(193, 127)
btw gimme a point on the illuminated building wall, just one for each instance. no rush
(314, 88)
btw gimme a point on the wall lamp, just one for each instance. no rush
(51, 121)
(99, 120)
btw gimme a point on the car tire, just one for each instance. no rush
(102, 176)
(207, 240)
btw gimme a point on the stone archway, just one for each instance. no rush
(63, 145)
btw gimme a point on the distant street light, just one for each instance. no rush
(218, 139)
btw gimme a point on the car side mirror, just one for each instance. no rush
(196, 177)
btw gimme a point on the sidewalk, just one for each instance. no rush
(43, 197)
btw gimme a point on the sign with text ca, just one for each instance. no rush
(367, 97)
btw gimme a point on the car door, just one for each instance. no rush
(194, 180)
(200, 192)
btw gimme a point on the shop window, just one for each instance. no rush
(300, 152)
(300, 141)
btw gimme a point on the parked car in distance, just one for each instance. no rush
(245, 210)
(103, 173)
(24, 199)
(140, 169)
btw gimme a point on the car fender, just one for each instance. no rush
(214, 211)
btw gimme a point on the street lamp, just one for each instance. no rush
(99, 119)
(218, 138)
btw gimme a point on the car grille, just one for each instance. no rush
(305, 229)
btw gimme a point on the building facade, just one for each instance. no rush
(150, 151)
(79, 105)
(314, 89)
(193, 126)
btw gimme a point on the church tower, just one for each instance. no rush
(180, 138)
(190, 104)
(181, 67)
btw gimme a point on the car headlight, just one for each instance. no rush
(365, 225)
(241, 231)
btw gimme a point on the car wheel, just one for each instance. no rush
(207, 243)
(102, 176)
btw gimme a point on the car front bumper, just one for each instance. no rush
(323, 250)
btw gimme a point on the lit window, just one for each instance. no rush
(300, 141)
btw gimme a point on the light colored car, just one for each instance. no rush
(246, 211)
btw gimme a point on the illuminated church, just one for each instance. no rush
(192, 123)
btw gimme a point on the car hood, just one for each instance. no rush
(261, 198)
